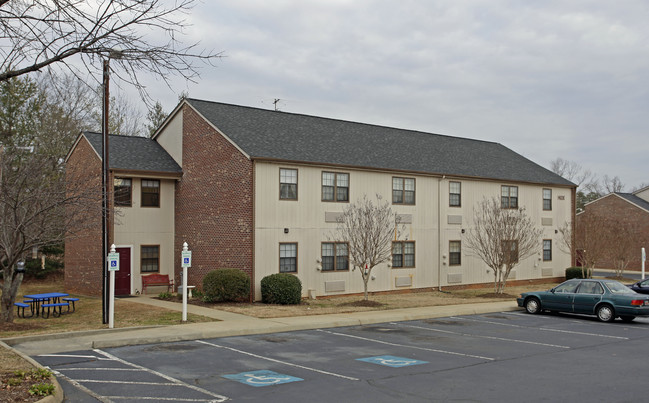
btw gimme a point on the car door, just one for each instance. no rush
(560, 298)
(588, 295)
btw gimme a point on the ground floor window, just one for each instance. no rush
(288, 258)
(454, 253)
(547, 250)
(335, 256)
(403, 254)
(150, 259)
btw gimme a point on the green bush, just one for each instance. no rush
(281, 288)
(574, 272)
(225, 285)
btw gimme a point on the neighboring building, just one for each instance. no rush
(261, 190)
(629, 209)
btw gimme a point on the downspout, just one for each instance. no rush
(254, 224)
(439, 232)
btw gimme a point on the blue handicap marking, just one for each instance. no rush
(392, 361)
(262, 378)
(186, 260)
(113, 263)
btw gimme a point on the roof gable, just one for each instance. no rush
(266, 134)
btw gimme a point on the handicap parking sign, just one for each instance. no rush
(262, 378)
(186, 259)
(113, 261)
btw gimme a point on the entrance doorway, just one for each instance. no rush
(123, 275)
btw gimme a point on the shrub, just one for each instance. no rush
(574, 272)
(226, 285)
(281, 288)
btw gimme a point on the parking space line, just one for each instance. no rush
(481, 336)
(75, 356)
(278, 361)
(541, 328)
(407, 346)
(218, 398)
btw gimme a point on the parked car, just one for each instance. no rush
(641, 286)
(607, 299)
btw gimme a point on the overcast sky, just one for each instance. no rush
(547, 79)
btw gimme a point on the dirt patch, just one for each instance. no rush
(364, 303)
(495, 295)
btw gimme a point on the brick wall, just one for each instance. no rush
(83, 262)
(214, 202)
(615, 208)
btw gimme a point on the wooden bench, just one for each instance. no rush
(58, 305)
(157, 280)
(20, 309)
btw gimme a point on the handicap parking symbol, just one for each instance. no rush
(186, 260)
(262, 378)
(392, 361)
(113, 263)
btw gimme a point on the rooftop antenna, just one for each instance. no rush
(275, 102)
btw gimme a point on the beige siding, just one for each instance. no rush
(136, 226)
(308, 222)
(171, 139)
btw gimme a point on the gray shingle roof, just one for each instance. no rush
(285, 136)
(635, 200)
(134, 153)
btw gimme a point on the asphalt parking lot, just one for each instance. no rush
(505, 357)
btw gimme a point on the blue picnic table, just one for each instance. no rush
(47, 300)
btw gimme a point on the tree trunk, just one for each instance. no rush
(9, 291)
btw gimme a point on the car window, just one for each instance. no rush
(616, 287)
(566, 287)
(590, 287)
(645, 283)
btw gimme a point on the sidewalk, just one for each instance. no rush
(232, 324)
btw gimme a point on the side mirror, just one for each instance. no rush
(552, 290)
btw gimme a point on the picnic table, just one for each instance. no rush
(48, 300)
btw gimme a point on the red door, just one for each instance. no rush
(123, 275)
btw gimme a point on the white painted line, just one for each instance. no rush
(102, 369)
(74, 356)
(408, 346)
(130, 382)
(79, 386)
(167, 399)
(481, 336)
(278, 361)
(219, 398)
(540, 328)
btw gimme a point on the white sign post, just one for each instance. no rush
(644, 258)
(113, 266)
(186, 262)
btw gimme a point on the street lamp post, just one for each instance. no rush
(105, 176)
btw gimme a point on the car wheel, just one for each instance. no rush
(605, 313)
(627, 318)
(532, 305)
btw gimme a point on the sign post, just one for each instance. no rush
(113, 266)
(644, 258)
(186, 262)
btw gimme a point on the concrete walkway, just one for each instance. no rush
(232, 324)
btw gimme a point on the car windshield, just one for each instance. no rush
(615, 287)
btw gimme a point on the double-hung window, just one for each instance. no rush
(455, 194)
(403, 254)
(122, 192)
(335, 186)
(335, 256)
(288, 184)
(454, 253)
(288, 258)
(150, 193)
(403, 191)
(509, 196)
(150, 259)
(547, 199)
(547, 250)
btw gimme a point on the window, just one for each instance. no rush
(590, 287)
(403, 191)
(335, 187)
(509, 197)
(288, 258)
(568, 287)
(454, 253)
(547, 199)
(455, 194)
(547, 250)
(403, 254)
(335, 256)
(510, 251)
(122, 192)
(150, 193)
(150, 259)
(288, 184)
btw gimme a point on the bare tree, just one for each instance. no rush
(574, 172)
(368, 229)
(40, 34)
(620, 248)
(612, 185)
(501, 238)
(33, 202)
(589, 241)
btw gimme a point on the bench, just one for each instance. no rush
(157, 280)
(54, 306)
(73, 300)
(20, 309)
